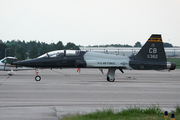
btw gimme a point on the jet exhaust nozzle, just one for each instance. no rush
(171, 66)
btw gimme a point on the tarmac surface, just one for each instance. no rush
(62, 92)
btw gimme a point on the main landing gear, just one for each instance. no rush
(111, 74)
(37, 78)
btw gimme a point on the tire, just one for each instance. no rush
(107, 78)
(111, 80)
(37, 78)
(10, 74)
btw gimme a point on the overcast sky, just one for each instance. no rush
(90, 22)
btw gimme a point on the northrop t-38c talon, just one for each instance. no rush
(150, 57)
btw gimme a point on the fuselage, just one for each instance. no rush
(80, 59)
(83, 59)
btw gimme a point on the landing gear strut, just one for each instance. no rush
(37, 78)
(111, 74)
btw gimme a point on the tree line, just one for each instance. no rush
(25, 50)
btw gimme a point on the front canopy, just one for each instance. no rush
(59, 53)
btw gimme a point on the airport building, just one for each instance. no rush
(128, 51)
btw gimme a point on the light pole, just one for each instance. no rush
(6, 50)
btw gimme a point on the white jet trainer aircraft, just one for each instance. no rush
(5, 65)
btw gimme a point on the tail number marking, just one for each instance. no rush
(152, 50)
(152, 54)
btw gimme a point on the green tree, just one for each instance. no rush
(71, 46)
(18, 56)
(137, 44)
(52, 47)
(44, 48)
(30, 45)
(21, 54)
(59, 46)
(33, 53)
(167, 45)
(2, 50)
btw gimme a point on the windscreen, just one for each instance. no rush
(59, 53)
(56, 53)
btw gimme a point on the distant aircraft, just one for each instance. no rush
(150, 57)
(5, 65)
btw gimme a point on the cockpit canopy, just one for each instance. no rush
(59, 53)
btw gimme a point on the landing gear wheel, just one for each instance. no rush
(110, 80)
(107, 78)
(37, 78)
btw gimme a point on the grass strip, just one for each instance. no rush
(135, 113)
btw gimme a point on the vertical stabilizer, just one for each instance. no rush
(153, 49)
(151, 56)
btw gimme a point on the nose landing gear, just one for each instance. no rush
(37, 78)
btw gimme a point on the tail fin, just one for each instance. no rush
(151, 56)
(153, 49)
